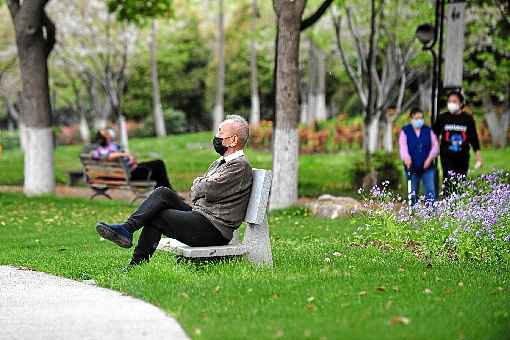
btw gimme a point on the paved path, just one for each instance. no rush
(36, 305)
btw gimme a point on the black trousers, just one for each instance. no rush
(453, 166)
(164, 212)
(157, 171)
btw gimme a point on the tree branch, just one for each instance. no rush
(312, 19)
(50, 33)
(13, 6)
(357, 39)
(357, 82)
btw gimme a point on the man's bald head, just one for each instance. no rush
(236, 125)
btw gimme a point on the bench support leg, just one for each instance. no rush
(258, 244)
(100, 192)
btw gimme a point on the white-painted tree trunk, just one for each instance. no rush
(38, 172)
(22, 135)
(304, 112)
(123, 132)
(159, 120)
(388, 136)
(372, 135)
(84, 129)
(100, 123)
(285, 168)
(254, 84)
(255, 110)
(218, 114)
(498, 126)
(320, 98)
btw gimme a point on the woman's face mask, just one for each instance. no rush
(417, 123)
(453, 107)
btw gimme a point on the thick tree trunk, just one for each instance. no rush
(284, 191)
(159, 120)
(218, 112)
(35, 39)
(255, 99)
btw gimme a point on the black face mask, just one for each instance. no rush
(218, 145)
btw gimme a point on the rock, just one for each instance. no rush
(333, 207)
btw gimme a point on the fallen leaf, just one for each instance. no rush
(362, 293)
(311, 307)
(310, 299)
(216, 289)
(381, 289)
(427, 291)
(399, 319)
(279, 333)
(396, 289)
(327, 260)
(461, 284)
(337, 254)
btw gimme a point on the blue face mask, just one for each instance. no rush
(417, 123)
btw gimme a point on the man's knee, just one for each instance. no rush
(163, 192)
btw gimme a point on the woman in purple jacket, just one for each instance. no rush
(418, 149)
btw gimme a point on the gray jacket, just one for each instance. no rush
(222, 194)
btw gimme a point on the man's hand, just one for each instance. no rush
(427, 164)
(479, 162)
(408, 163)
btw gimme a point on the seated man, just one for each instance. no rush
(152, 170)
(219, 202)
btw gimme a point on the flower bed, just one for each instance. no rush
(473, 224)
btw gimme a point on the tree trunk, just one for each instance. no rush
(425, 89)
(123, 133)
(255, 99)
(498, 126)
(320, 97)
(311, 115)
(284, 189)
(218, 112)
(388, 135)
(84, 129)
(35, 35)
(371, 131)
(159, 120)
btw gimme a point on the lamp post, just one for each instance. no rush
(428, 35)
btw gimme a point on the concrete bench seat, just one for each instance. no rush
(256, 245)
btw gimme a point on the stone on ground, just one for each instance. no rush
(333, 207)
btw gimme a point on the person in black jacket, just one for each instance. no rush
(457, 132)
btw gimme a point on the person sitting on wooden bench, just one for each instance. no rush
(219, 202)
(152, 170)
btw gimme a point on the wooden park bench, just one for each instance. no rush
(256, 245)
(102, 175)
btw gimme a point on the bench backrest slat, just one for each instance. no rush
(100, 170)
(259, 197)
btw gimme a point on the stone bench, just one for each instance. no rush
(256, 245)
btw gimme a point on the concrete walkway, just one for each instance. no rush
(36, 305)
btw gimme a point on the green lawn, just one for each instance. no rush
(320, 286)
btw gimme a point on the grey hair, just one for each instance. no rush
(241, 126)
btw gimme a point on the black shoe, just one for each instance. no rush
(116, 233)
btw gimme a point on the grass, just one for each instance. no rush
(320, 286)
(188, 156)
